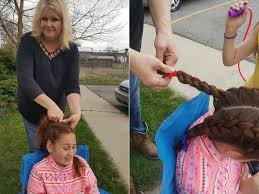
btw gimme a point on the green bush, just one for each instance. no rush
(7, 62)
(8, 83)
(8, 89)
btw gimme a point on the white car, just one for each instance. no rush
(122, 92)
(175, 4)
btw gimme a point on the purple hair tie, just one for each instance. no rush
(185, 142)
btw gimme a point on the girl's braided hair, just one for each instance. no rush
(236, 117)
(51, 131)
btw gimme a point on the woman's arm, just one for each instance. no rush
(72, 89)
(54, 112)
(73, 100)
(25, 68)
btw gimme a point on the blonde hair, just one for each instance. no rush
(59, 7)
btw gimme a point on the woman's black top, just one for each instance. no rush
(38, 74)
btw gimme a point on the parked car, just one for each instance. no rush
(122, 92)
(175, 4)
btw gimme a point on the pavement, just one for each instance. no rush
(110, 126)
(200, 61)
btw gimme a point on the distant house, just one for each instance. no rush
(93, 61)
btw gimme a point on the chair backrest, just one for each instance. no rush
(30, 159)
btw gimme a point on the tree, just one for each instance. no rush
(90, 19)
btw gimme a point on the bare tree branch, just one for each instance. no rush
(90, 19)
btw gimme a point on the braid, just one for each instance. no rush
(236, 117)
(200, 85)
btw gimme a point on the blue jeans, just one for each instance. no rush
(135, 114)
(31, 134)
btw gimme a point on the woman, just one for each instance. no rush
(48, 69)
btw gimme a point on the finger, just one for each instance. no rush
(68, 120)
(241, 4)
(165, 68)
(162, 83)
(51, 118)
(245, 171)
(171, 61)
(236, 6)
(160, 53)
(232, 7)
(60, 119)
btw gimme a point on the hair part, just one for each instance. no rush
(236, 117)
(59, 7)
(51, 131)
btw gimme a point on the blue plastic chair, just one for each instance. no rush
(171, 131)
(30, 159)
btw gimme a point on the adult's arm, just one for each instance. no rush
(164, 43)
(145, 67)
(72, 89)
(25, 68)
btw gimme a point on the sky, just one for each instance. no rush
(120, 39)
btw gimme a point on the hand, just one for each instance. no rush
(165, 49)
(55, 113)
(234, 23)
(73, 120)
(146, 67)
(249, 185)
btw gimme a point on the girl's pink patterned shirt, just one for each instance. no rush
(49, 177)
(204, 170)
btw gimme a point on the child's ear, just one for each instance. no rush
(49, 146)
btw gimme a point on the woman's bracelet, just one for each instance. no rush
(231, 37)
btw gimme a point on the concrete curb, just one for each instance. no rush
(110, 127)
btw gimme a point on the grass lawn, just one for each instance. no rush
(103, 76)
(155, 108)
(14, 145)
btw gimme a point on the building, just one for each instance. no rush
(89, 60)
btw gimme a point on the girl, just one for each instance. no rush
(233, 54)
(217, 145)
(62, 171)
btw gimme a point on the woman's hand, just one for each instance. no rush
(249, 185)
(55, 113)
(73, 120)
(234, 23)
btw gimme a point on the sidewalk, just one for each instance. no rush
(109, 126)
(200, 61)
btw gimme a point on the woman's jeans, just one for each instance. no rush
(31, 134)
(135, 114)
